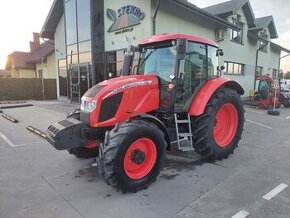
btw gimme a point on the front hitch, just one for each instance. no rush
(67, 134)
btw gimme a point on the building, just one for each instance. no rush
(39, 62)
(5, 74)
(90, 36)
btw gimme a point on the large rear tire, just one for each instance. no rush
(287, 103)
(218, 131)
(82, 152)
(131, 156)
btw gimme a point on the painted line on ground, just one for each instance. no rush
(275, 191)
(288, 117)
(258, 112)
(94, 164)
(241, 214)
(4, 137)
(259, 124)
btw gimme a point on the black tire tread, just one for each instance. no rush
(201, 126)
(109, 152)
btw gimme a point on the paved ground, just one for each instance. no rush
(38, 181)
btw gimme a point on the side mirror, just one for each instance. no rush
(181, 46)
(220, 68)
(219, 52)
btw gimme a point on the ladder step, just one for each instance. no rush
(186, 148)
(183, 121)
(185, 135)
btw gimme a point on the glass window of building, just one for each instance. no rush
(234, 68)
(62, 75)
(83, 20)
(237, 36)
(259, 71)
(70, 21)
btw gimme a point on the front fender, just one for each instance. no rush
(158, 123)
(204, 94)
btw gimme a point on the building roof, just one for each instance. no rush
(26, 60)
(52, 20)
(225, 8)
(18, 60)
(189, 6)
(46, 48)
(230, 7)
(279, 47)
(264, 22)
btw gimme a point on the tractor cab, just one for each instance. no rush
(182, 64)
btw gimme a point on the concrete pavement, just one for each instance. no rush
(38, 181)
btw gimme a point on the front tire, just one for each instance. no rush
(131, 156)
(218, 131)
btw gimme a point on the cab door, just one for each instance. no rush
(192, 74)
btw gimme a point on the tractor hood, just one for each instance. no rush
(118, 99)
(119, 84)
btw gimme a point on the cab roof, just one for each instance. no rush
(165, 37)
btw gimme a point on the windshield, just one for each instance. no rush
(158, 61)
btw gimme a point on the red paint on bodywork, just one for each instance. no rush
(141, 96)
(202, 97)
(165, 37)
(271, 100)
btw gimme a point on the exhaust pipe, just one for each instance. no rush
(128, 58)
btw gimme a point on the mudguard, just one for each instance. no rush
(204, 94)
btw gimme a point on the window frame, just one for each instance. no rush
(236, 21)
(240, 67)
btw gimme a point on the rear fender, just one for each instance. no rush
(204, 94)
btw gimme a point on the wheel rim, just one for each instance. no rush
(140, 158)
(226, 125)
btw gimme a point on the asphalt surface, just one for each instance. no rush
(38, 181)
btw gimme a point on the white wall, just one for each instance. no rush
(172, 22)
(60, 50)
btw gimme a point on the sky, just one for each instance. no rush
(19, 18)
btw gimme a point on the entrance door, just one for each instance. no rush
(80, 81)
(74, 84)
(85, 78)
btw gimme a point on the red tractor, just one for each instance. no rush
(269, 94)
(175, 98)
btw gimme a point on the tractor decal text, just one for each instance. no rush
(127, 86)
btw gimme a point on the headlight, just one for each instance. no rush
(88, 106)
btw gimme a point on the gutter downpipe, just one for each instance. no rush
(154, 18)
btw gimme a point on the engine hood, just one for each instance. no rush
(120, 98)
(113, 86)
